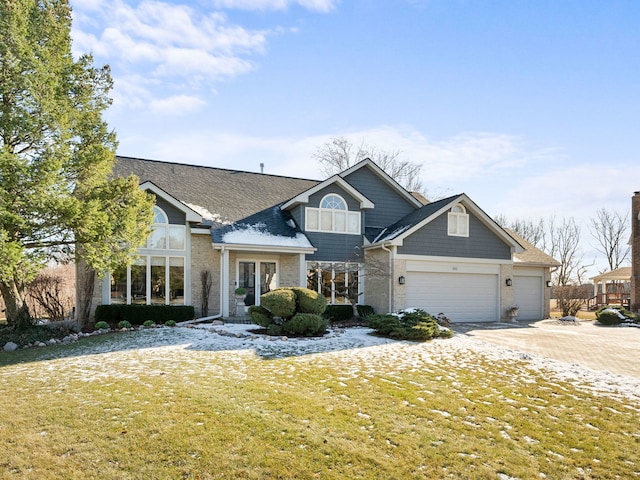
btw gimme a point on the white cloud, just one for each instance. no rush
(313, 5)
(154, 41)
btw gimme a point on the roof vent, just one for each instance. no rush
(262, 168)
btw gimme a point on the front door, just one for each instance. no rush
(257, 278)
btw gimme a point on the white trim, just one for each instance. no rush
(262, 248)
(224, 282)
(408, 257)
(302, 271)
(304, 196)
(200, 231)
(192, 215)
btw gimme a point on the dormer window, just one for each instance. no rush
(458, 222)
(332, 216)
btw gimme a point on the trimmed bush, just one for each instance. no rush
(102, 325)
(613, 315)
(123, 324)
(138, 314)
(308, 301)
(170, 323)
(410, 324)
(148, 323)
(280, 302)
(260, 316)
(305, 325)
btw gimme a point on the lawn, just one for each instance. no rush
(161, 404)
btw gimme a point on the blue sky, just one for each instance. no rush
(531, 108)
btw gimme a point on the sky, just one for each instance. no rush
(530, 108)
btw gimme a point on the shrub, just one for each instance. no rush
(341, 313)
(308, 301)
(613, 315)
(280, 302)
(260, 316)
(123, 324)
(170, 323)
(148, 323)
(410, 324)
(305, 325)
(138, 314)
(102, 325)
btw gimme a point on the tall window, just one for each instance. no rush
(338, 282)
(332, 216)
(158, 273)
(458, 220)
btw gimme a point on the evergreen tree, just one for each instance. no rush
(57, 200)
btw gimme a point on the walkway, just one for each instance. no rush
(613, 349)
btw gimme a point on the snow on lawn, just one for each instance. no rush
(355, 349)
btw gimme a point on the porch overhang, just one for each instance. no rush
(273, 249)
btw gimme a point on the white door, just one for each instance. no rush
(527, 295)
(463, 297)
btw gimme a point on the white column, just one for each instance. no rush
(302, 280)
(224, 282)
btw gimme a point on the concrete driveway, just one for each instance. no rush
(612, 349)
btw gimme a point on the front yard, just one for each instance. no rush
(189, 403)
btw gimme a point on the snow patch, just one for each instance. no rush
(256, 235)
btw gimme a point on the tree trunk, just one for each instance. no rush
(17, 311)
(85, 284)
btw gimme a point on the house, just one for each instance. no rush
(357, 231)
(635, 252)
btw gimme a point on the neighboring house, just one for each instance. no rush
(635, 252)
(355, 231)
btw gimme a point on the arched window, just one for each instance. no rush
(332, 216)
(458, 221)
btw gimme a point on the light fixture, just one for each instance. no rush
(548, 283)
(401, 280)
(508, 282)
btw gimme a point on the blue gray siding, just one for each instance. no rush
(335, 247)
(174, 215)
(316, 198)
(433, 240)
(390, 205)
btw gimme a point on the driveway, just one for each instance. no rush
(612, 349)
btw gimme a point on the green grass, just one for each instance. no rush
(391, 413)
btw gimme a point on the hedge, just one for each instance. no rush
(341, 313)
(138, 314)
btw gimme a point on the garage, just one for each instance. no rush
(463, 297)
(527, 295)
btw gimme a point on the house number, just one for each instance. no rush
(455, 269)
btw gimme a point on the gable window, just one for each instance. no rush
(332, 216)
(458, 222)
(157, 276)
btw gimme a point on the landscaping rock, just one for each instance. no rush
(52, 341)
(10, 347)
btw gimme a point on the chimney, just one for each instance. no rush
(635, 252)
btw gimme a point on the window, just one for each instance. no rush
(158, 274)
(458, 222)
(164, 236)
(338, 282)
(333, 217)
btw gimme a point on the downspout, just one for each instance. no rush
(384, 247)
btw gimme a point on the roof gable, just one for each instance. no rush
(396, 233)
(303, 197)
(531, 255)
(191, 215)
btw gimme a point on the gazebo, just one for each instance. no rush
(612, 288)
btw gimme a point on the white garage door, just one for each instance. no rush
(527, 294)
(463, 297)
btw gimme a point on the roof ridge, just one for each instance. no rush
(208, 167)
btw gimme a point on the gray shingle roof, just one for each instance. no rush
(532, 255)
(231, 194)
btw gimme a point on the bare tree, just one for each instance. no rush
(533, 231)
(51, 293)
(339, 154)
(611, 230)
(206, 282)
(564, 246)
